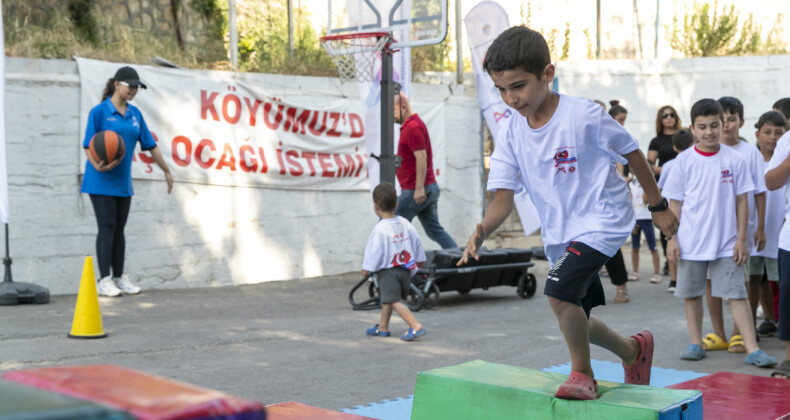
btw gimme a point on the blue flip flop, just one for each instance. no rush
(374, 331)
(693, 352)
(760, 359)
(411, 334)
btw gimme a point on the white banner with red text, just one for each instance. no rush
(224, 129)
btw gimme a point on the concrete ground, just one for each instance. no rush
(300, 340)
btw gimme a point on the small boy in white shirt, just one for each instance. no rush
(708, 190)
(394, 252)
(562, 150)
(681, 140)
(644, 224)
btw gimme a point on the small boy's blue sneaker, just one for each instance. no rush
(760, 359)
(411, 334)
(693, 352)
(374, 331)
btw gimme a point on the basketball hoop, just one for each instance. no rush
(355, 54)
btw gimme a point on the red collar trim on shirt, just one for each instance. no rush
(705, 153)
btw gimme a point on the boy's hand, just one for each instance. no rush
(473, 244)
(740, 253)
(673, 251)
(759, 239)
(666, 221)
(364, 273)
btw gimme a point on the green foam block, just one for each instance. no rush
(483, 390)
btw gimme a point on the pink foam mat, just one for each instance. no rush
(297, 411)
(145, 396)
(727, 395)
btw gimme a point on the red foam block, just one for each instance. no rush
(145, 396)
(296, 411)
(728, 395)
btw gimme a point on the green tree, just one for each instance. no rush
(707, 31)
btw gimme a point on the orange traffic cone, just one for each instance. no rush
(87, 318)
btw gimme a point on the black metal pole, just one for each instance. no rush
(12, 293)
(387, 160)
(7, 259)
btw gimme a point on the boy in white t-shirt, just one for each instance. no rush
(681, 140)
(394, 252)
(562, 150)
(644, 224)
(733, 121)
(770, 127)
(777, 177)
(708, 190)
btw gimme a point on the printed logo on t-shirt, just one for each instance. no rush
(563, 160)
(112, 119)
(403, 259)
(500, 115)
(726, 176)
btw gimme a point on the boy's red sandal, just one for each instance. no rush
(578, 387)
(639, 372)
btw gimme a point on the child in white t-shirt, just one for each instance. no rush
(770, 127)
(644, 224)
(564, 149)
(394, 252)
(708, 190)
(681, 140)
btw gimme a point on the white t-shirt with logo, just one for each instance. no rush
(638, 201)
(756, 165)
(708, 186)
(780, 154)
(665, 170)
(393, 243)
(568, 168)
(774, 216)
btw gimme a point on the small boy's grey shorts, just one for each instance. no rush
(727, 279)
(394, 284)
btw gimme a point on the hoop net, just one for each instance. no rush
(356, 54)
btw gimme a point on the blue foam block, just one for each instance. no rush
(613, 372)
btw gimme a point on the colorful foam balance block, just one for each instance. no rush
(18, 402)
(296, 411)
(144, 396)
(483, 390)
(738, 396)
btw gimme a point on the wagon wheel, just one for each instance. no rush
(527, 285)
(415, 299)
(372, 290)
(432, 298)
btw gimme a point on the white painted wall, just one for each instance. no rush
(644, 86)
(201, 235)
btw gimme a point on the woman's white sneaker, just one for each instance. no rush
(107, 287)
(125, 285)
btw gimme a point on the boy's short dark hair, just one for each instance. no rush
(783, 105)
(705, 108)
(517, 47)
(773, 118)
(385, 197)
(682, 139)
(732, 105)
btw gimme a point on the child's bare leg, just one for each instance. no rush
(742, 315)
(404, 312)
(386, 314)
(655, 261)
(576, 330)
(766, 300)
(693, 307)
(626, 349)
(753, 288)
(635, 259)
(716, 314)
(673, 271)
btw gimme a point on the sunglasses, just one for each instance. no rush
(668, 114)
(127, 85)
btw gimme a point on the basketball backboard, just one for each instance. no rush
(413, 22)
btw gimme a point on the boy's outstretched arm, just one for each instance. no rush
(665, 219)
(673, 247)
(495, 215)
(741, 250)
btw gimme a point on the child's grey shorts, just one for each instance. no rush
(726, 279)
(394, 284)
(759, 265)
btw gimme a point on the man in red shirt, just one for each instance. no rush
(419, 190)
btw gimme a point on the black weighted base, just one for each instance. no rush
(13, 293)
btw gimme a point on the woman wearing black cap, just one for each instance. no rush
(109, 184)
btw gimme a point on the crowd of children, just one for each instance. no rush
(704, 181)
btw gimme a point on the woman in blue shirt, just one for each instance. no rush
(109, 184)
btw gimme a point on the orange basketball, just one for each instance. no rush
(107, 146)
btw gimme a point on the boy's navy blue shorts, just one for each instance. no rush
(574, 277)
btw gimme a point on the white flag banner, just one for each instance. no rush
(3, 168)
(483, 24)
(215, 128)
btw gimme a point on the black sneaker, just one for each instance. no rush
(767, 329)
(671, 288)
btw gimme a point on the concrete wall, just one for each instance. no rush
(201, 235)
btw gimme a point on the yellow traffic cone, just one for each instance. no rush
(87, 318)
